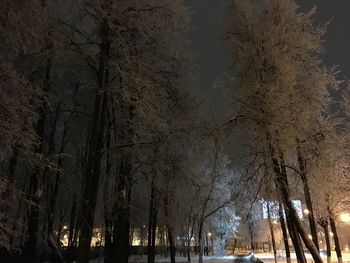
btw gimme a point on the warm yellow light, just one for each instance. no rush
(209, 234)
(65, 237)
(331, 234)
(306, 211)
(310, 237)
(345, 217)
(65, 227)
(274, 222)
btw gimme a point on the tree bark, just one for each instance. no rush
(35, 191)
(308, 201)
(324, 223)
(152, 223)
(291, 226)
(121, 238)
(71, 229)
(234, 246)
(295, 240)
(108, 255)
(91, 182)
(336, 239)
(171, 239)
(200, 245)
(251, 232)
(282, 182)
(272, 232)
(284, 232)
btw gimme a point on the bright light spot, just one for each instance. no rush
(65, 236)
(65, 227)
(310, 237)
(306, 211)
(275, 222)
(345, 217)
(143, 226)
(209, 234)
(331, 234)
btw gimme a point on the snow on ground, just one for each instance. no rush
(268, 257)
(265, 257)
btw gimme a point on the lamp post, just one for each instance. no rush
(211, 242)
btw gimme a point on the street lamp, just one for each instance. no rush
(345, 217)
(211, 241)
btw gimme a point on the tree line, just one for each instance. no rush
(100, 128)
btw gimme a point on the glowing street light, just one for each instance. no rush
(345, 217)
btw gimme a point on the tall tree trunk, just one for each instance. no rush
(30, 243)
(298, 247)
(71, 229)
(290, 223)
(251, 232)
(121, 238)
(324, 223)
(234, 245)
(91, 181)
(62, 146)
(190, 232)
(126, 134)
(35, 188)
(282, 182)
(169, 226)
(53, 197)
(284, 232)
(189, 241)
(171, 243)
(336, 239)
(308, 201)
(9, 186)
(200, 241)
(108, 255)
(152, 223)
(272, 232)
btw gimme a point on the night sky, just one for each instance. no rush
(212, 54)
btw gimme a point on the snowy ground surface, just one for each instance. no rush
(265, 257)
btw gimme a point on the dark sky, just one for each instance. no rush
(212, 55)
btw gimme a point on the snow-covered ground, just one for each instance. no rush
(265, 257)
(268, 257)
